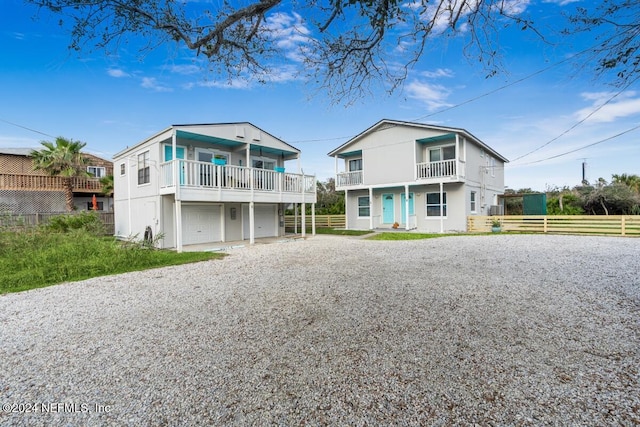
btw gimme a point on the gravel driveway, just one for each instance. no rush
(493, 330)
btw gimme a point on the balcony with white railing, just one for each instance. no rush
(198, 180)
(349, 179)
(441, 169)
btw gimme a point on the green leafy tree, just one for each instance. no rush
(613, 199)
(62, 158)
(631, 181)
(345, 45)
(107, 185)
(330, 201)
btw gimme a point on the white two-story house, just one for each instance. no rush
(200, 184)
(417, 177)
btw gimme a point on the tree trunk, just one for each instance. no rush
(68, 194)
(606, 211)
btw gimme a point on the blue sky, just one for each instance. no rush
(114, 101)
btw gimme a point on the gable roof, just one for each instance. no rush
(387, 123)
(183, 131)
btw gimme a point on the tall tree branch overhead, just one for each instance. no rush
(343, 46)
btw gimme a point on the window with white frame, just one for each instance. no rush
(363, 206)
(123, 169)
(355, 165)
(472, 202)
(263, 163)
(97, 171)
(493, 167)
(447, 152)
(433, 204)
(144, 171)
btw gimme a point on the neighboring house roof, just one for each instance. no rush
(17, 151)
(387, 123)
(27, 153)
(185, 127)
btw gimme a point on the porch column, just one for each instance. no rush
(295, 218)
(457, 155)
(406, 207)
(441, 210)
(304, 219)
(346, 209)
(129, 193)
(248, 156)
(252, 234)
(223, 220)
(176, 164)
(313, 219)
(370, 208)
(178, 223)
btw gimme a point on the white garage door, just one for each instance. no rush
(264, 221)
(200, 224)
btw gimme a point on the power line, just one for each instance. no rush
(581, 148)
(575, 125)
(26, 128)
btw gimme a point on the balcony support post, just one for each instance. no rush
(441, 209)
(406, 207)
(252, 223)
(370, 208)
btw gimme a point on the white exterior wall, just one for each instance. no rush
(481, 177)
(137, 206)
(455, 220)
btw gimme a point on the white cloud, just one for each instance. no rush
(561, 2)
(152, 83)
(440, 72)
(624, 105)
(433, 95)
(289, 33)
(117, 73)
(185, 69)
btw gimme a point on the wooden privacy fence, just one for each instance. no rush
(328, 221)
(612, 225)
(19, 221)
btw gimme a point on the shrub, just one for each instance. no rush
(86, 220)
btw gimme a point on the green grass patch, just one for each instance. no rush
(341, 231)
(336, 231)
(38, 258)
(410, 236)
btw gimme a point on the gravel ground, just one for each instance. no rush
(488, 330)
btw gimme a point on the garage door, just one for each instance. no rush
(265, 217)
(200, 224)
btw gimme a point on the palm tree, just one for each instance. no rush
(632, 181)
(64, 159)
(107, 185)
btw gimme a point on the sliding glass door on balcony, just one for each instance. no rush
(441, 162)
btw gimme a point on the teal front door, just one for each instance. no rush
(404, 209)
(388, 215)
(168, 156)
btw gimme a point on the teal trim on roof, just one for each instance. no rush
(206, 138)
(351, 154)
(255, 148)
(438, 138)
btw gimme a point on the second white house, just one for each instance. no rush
(417, 177)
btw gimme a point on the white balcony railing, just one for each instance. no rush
(208, 175)
(346, 179)
(440, 169)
